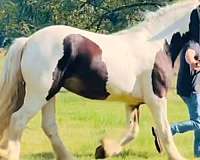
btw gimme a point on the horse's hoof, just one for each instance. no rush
(100, 152)
(111, 147)
(108, 148)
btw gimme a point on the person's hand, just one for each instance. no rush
(192, 59)
(195, 65)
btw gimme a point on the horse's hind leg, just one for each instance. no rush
(133, 122)
(32, 104)
(4, 144)
(112, 148)
(158, 107)
(50, 128)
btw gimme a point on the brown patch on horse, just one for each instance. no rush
(21, 92)
(161, 72)
(81, 69)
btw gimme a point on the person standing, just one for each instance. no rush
(188, 82)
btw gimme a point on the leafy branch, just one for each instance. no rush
(104, 16)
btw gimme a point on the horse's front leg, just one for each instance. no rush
(110, 147)
(158, 107)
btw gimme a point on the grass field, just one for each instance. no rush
(83, 123)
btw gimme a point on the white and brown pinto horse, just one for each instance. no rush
(125, 67)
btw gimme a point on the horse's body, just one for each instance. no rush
(128, 84)
(123, 67)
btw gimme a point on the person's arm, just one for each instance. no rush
(190, 59)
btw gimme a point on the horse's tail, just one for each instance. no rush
(12, 86)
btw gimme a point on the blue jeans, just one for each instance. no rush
(193, 104)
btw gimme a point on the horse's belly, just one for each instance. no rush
(129, 99)
(129, 93)
(95, 90)
(86, 88)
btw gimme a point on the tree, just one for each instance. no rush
(22, 18)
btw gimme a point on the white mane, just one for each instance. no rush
(167, 20)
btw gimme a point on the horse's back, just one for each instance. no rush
(46, 47)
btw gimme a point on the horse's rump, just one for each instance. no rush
(12, 85)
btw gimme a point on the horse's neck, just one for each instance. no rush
(162, 24)
(164, 27)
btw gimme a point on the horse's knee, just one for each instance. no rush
(49, 129)
(165, 135)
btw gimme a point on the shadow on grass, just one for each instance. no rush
(40, 156)
(124, 155)
(130, 154)
(90, 155)
(140, 154)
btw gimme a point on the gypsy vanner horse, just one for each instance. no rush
(131, 66)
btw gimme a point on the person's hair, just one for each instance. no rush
(177, 43)
(194, 25)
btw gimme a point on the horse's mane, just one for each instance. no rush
(164, 16)
(162, 12)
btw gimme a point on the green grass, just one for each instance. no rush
(82, 123)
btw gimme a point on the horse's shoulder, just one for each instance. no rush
(161, 73)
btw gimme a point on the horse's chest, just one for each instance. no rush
(127, 98)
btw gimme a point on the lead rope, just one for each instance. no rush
(198, 11)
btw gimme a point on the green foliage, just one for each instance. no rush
(23, 17)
